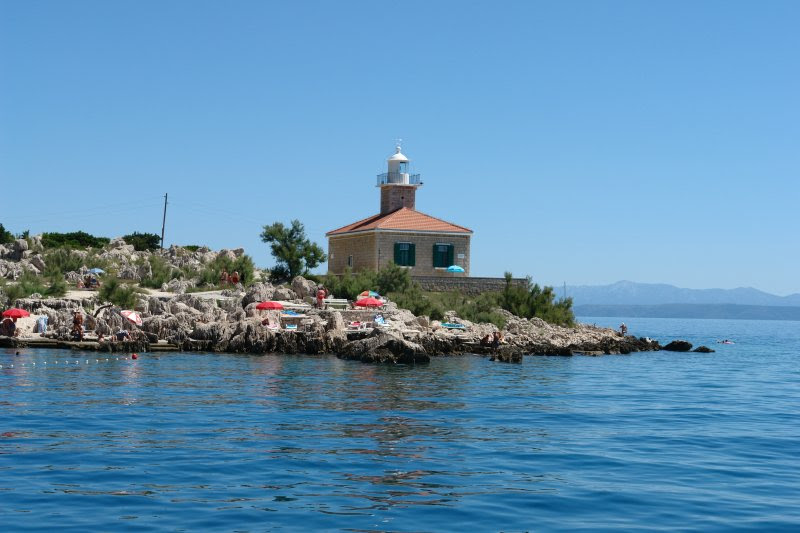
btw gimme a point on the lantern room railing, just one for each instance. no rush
(398, 178)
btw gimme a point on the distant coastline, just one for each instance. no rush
(727, 311)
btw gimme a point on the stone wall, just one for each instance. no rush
(424, 251)
(360, 246)
(465, 285)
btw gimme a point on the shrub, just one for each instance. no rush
(143, 241)
(29, 283)
(75, 239)
(243, 265)
(532, 300)
(60, 261)
(392, 278)
(192, 247)
(162, 273)
(119, 294)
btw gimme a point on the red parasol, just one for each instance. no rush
(369, 302)
(269, 305)
(16, 312)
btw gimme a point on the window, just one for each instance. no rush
(405, 253)
(350, 261)
(442, 255)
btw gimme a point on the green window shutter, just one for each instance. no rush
(450, 250)
(435, 257)
(397, 253)
(412, 254)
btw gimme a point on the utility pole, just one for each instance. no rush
(164, 221)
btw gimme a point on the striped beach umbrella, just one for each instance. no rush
(133, 316)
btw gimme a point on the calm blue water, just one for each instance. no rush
(222, 442)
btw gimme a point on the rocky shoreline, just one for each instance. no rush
(228, 322)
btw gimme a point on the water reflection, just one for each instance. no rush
(204, 441)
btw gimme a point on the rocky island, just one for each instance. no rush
(228, 321)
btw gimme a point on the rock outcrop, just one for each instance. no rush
(382, 347)
(703, 349)
(678, 346)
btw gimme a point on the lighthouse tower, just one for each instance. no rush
(398, 186)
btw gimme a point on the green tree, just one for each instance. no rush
(5, 235)
(294, 253)
(143, 241)
(75, 239)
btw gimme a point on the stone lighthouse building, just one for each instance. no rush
(425, 245)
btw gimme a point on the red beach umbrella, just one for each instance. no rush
(16, 312)
(369, 302)
(269, 305)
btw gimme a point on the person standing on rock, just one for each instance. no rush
(623, 329)
(77, 325)
(320, 297)
(235, 277)
(223, 278)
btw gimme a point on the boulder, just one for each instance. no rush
(382, 347)
(130, 272)
(38, 262)
(178, 286)
(257, 292)
(401, 316)
(284, 294)
(303, 287)
(145, 270)
(200, 304)
(228, 254)
(10, 269)
(703, 349)
(678, 346)
(73, 277)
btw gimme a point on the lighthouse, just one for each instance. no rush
(398, 186)
(425, 245)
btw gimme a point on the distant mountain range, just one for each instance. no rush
(630, 293)
(751, 312)
(629, 299)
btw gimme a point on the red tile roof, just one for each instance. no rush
(403, 219)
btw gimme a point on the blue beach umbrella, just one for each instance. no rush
(96, 271)
(455, 268)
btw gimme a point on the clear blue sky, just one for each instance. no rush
(584, 142)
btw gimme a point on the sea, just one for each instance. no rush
(220, 442)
